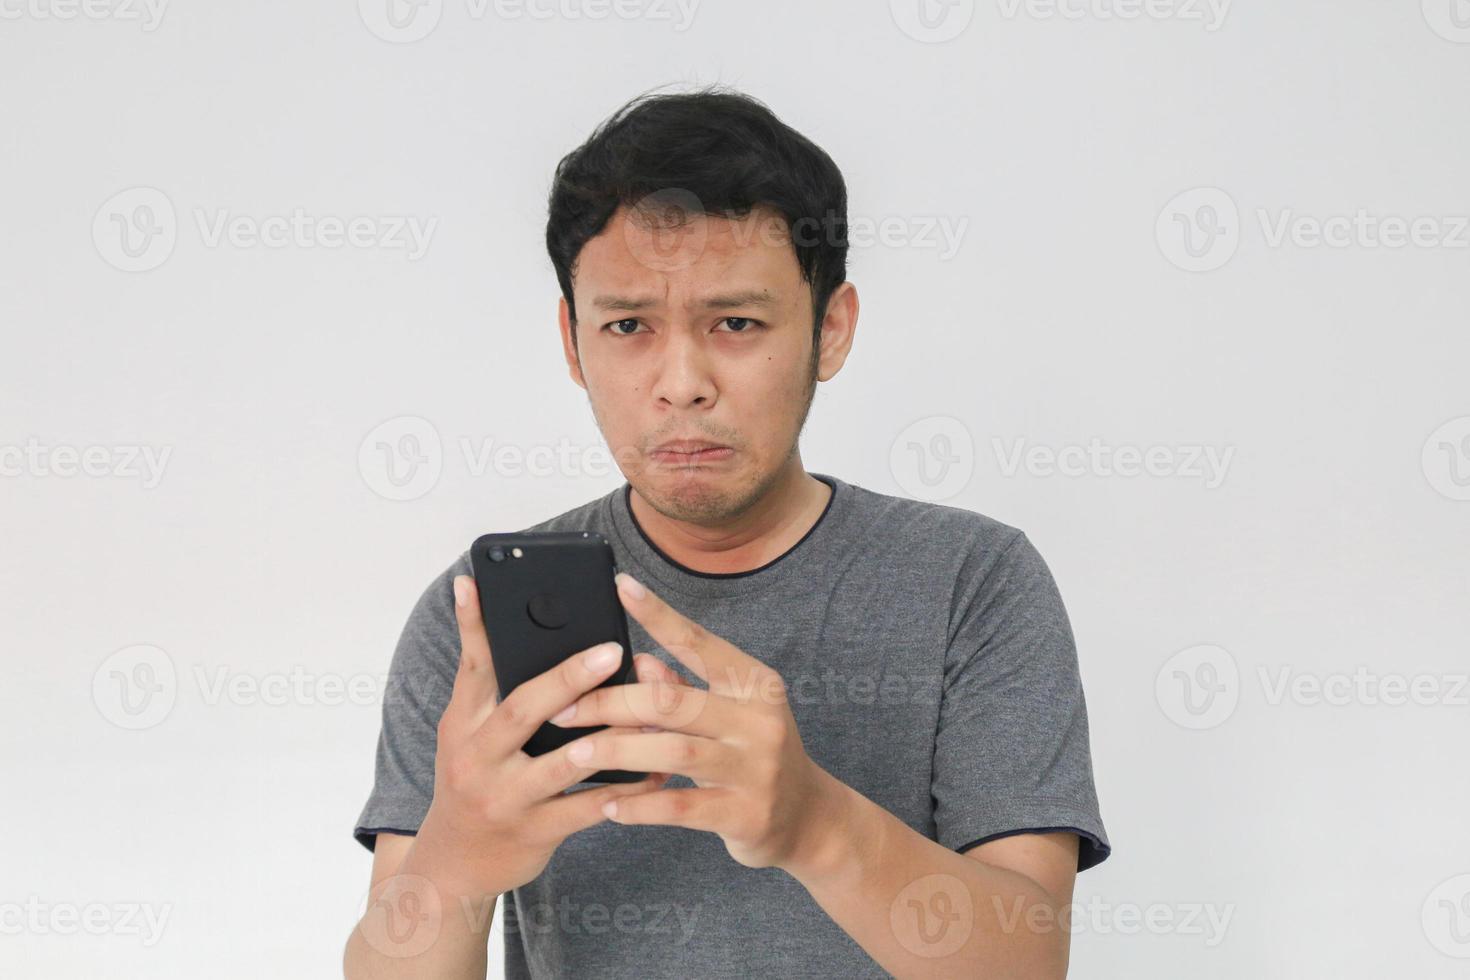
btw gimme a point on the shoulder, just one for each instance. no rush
(970, 539)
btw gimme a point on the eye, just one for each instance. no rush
(739, 324)
(618, 323)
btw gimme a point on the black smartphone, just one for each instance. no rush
(544, 596)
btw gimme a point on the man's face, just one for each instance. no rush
(694, 327)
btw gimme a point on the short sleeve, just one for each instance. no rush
(420, 679)
(1011, 752)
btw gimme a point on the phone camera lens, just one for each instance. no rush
(497, 553)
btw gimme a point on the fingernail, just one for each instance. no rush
(580, 752)
(461, 590)
(610, 809)
(633, 587)
(600, 658)
(565, 714)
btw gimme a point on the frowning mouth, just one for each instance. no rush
(691, 452)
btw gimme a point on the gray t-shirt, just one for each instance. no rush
(929, 664)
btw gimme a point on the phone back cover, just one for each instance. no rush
(557, 599)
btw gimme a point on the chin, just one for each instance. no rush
(694, 495)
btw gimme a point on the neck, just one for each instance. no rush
(765, 530)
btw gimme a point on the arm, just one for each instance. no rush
(408, 929)
(922, 910)
(918, 907)
(1010, 753)
(495, 814)
(1011, 747)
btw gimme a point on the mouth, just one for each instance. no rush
(691, 452)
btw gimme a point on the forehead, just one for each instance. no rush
(663, 251)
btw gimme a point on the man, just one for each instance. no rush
(862, 713)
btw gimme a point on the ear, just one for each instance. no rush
(838, 326)
(569, 349)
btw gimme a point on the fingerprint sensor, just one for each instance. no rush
(548, 611)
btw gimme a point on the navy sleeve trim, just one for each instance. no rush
(368, 836)
(1091, 852)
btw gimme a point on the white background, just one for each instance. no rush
(1334, 542)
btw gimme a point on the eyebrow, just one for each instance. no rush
(632, 304)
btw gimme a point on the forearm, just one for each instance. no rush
(421, 922)
(922, 910)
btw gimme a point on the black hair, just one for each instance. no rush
(720, 149)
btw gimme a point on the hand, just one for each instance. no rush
(755, 785)
(499, 814)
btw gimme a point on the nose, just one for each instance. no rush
(683, 374)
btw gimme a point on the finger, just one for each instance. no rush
(474, 680)
(515, 719)
(671, 707)
(564, 815)
(705, 760)
(551, 773)
(651, 669)
(698, 808)
(720, 663)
